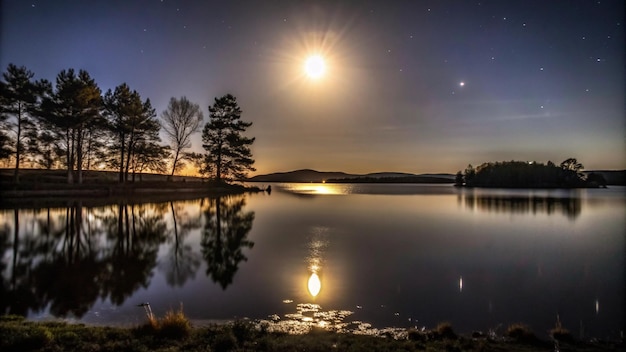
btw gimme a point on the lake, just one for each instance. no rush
(349, 257)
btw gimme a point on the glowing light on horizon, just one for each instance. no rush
(319, 188)
(314, 285)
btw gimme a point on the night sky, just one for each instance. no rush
(410, 86)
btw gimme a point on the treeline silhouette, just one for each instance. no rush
(73, 125)
(522, 174)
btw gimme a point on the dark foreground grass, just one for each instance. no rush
(17, 334)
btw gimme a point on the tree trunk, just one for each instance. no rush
(218, 172)
(70, 156)
(79, 155)
(128, 155)
(89, 141)
(18, 146)
(174, 165)
(123, 143)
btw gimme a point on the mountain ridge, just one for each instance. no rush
(613, 177)
(310, 175)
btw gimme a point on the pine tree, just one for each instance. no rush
(71, 111)
(19, 96)
(132, 124)
(228, 152)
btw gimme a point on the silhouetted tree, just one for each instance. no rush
(19, 96)
(44, 147)
(72, 110)
(458, 179)
(149, 155)
(470, 173)
(571, 164)
(130, 122)
(224, 237)
(181, 119)
(228, 152)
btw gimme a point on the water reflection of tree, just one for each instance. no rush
(66, 274)
(570, 207)
(182, 262)
(66, 277)
(18, 295)
(69, 258)
(136, 233)
(225, 235)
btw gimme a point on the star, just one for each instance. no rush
(461, 84)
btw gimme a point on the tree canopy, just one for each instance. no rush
(228, 151)
(181, 119)
(19, 96)
(71, 111)
(132, 125)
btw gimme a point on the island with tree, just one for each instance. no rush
(523, 174)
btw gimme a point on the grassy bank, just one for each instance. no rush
(49, 187)
(174, 333)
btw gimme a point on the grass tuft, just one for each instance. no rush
(444, 331)
(521, 333)
(174, 325)
(559, 333)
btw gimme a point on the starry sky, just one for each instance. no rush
(410, 86)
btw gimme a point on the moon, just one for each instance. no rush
(314, 66)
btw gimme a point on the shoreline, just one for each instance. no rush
(95, 194)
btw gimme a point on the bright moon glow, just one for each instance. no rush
(462, 84)
(314, 284)
(314, 66)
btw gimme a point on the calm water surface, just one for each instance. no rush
(347, 257)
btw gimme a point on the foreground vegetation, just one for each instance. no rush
(174, 333)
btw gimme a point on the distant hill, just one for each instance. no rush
(308, 175)
(397, 179)
(305, 175)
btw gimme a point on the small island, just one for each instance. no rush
(531, 174)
